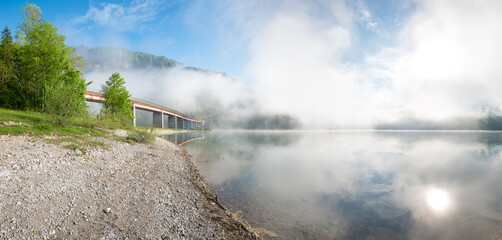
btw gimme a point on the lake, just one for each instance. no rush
(358, 184)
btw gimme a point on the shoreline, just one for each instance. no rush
(112, 191)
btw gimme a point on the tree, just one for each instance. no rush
(44, 61)
(6, 66)
(117, 103)
(63, 101)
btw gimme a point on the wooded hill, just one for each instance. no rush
(116, 59)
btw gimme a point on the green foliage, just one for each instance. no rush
(117, 104)
(142, 136)
(7, 74)
(87, 122)
(44, 66)
(63, 101)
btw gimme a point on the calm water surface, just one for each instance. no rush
(358, 185)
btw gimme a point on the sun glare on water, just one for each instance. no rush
(438, 199)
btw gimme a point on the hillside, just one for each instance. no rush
(110, 58)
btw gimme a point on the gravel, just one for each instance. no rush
(120, 191)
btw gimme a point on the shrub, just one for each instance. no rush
(142, 136)
(63, 101)
(88, 122)
(44, 127)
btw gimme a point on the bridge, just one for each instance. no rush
(163, 117)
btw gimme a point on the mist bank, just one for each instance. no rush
(226, 102)
(488, 123)
(220, 100)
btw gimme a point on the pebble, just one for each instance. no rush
(107, 210)
(4, 173)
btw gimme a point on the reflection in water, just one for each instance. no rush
(438, 199)
(359, 185)
(184, 137)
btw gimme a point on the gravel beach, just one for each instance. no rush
(117, 191)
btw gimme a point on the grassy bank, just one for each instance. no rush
(16, 122)
(74, 136)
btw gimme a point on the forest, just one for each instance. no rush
(111, 58)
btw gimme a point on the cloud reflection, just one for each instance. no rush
(438, 199)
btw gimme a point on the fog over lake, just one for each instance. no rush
(358, 184)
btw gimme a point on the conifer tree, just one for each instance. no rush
(6, 66)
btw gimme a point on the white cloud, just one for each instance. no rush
(449, 66)
(298, 69)
(124, 17)
(372, 26)
(367, 19)
(445, 65)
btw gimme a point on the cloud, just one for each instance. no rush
(442, 64)
(298, 68)
(448, 66)
(124, 17)
(366, 18)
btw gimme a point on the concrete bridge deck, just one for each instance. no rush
(163, 117)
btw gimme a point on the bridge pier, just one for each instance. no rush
(157, 119)
(171, 122)
(133, 115)
(165, 120)
(179, 123)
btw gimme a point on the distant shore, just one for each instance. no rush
(112, 190)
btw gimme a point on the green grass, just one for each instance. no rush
(34, 123)
(21, 116)
(75, 136)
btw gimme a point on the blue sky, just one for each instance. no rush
(161, 28)
(206, 34)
